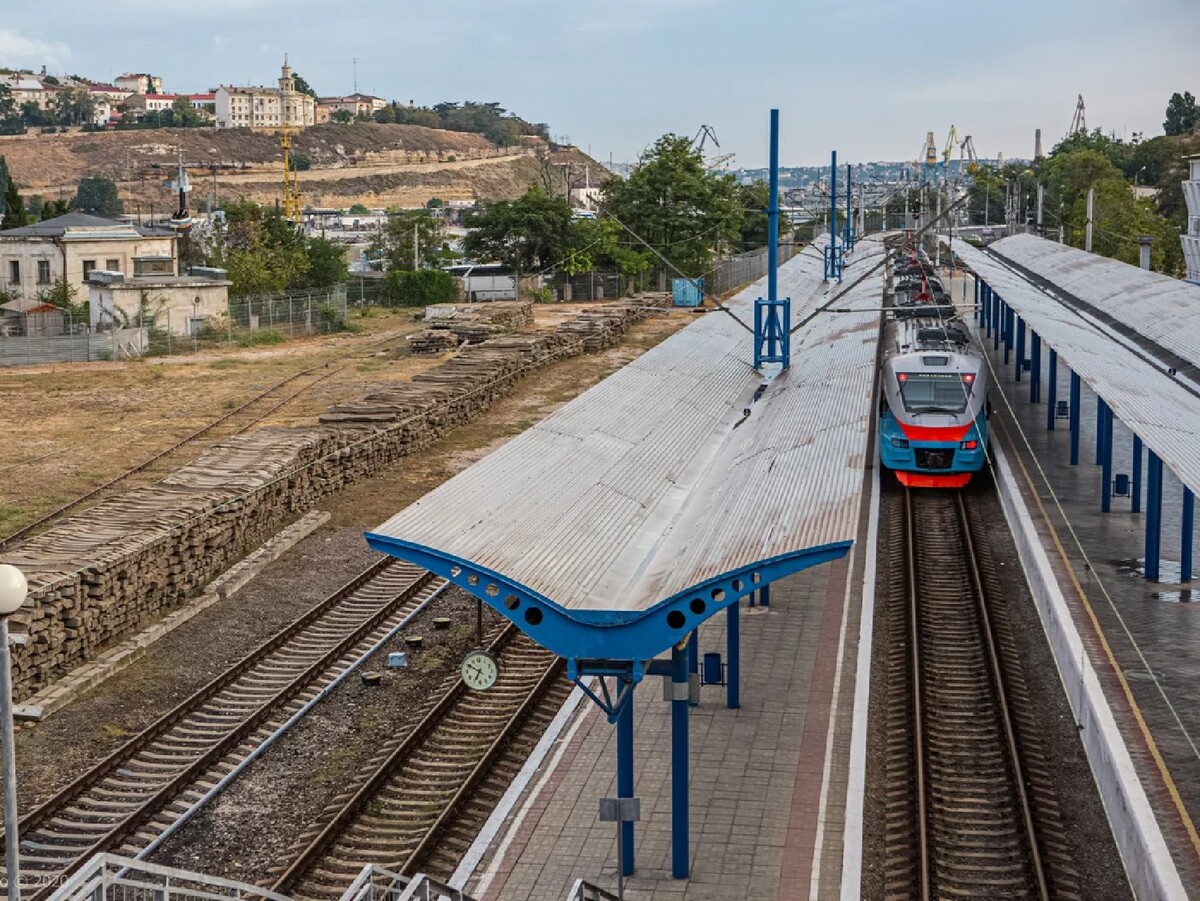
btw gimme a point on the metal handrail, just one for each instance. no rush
(417, 888)
(103, 871)
(583, 890)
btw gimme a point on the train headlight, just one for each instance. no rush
(899, 442)
(969, 445)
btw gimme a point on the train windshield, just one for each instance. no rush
(935, 392)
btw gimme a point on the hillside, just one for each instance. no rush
(378, 165)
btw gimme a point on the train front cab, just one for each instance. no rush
(932, 456)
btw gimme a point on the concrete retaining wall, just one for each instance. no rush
(1143, 849)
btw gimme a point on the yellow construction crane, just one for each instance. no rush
(291, 184)
(951, 143)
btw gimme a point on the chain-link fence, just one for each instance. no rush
(246, 322)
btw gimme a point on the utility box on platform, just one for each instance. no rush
(686, 292)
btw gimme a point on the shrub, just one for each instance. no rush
(260, 337)
(420, 288)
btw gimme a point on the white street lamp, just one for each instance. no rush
(13, 589)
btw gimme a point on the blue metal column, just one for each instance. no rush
(1020, 347)
(625, 777)
(849, 229)
(1153, 515)
(1035, 367)
(996, 316)
(1185, 547)
(1100, 407)
(679, 765)
(1009, 316)
(733, 652)
(764, 596)
(1135, 500)
(693, 658)
(1075, 391)
(773, 215)
(1105, 426)
(1052, 391)
(977, 311)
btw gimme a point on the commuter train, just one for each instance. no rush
(933, 405)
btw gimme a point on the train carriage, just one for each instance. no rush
(933, 406)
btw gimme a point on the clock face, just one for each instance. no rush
(480, 670)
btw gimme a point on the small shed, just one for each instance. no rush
(31, 318)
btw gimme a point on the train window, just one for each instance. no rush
(934, 392)
(935, 361)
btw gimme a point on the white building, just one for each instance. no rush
(260, 107)
(180, 304)
(139, 83)
(1191, 240)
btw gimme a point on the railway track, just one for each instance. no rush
(420, 803)
(238, 420)
(134, 795)
(971, 811)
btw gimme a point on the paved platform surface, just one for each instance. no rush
(1143, 637)
(768, 781)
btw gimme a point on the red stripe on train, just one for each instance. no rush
(924, 480)
(947, 433)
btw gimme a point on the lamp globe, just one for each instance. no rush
(13, 589)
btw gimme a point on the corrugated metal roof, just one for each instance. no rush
(1153, 403)
(1165, 310)
(648, 484)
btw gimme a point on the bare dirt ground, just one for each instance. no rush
(74, 426)
(51, 753)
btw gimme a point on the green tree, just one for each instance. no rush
(263, 252)
(1118, 219)
(303, 86)
(428, 286)
(602, 244)
(184, 115)
(1068, 176)
(341, 116)
(326, 263)
(387, 115)
(14, 208)
(395, 242)
(1182, 114)
(531, 232)
(358, 209)
(755, 198)
(672, 202)
(74, 106)
(98, 196)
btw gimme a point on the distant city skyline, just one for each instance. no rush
(867, 77)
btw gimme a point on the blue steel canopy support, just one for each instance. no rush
(733, 652)
(772, 331)
(1075, 392)
(849, 227)
(1135, 505)
(1104, 425)
(997, 305)
(1020, 346)
(625, 777)
(1052, 390)
(1185, 547)
(1154, 479)
(977, 310)
(773, 215)
(1100, 407)
(1035, 367)
(1009, 316)
(679, 764)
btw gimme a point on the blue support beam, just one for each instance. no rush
(1104, 426)
(773, 215)
(679, 764)
(693, 658)
(1035, 367)
(733, 653)
(1135, 504)
(764, 596)
(1009, 316)
(1185, 547)
(977, 307)
(1154, 480)
(1075, 392)
(997, 305)
(1052, 390)
(625, 775)
(1100, 407)
(1020, 347)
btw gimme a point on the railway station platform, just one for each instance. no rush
(1140, 636)
(769, 781)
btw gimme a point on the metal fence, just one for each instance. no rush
(733, 272)
(107, 877)
(246, 322)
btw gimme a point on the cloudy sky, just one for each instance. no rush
(868, 77)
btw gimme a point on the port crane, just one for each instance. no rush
(1079, 120)
(706, 133)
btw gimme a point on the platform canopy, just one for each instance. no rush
(1164, 309)
(679, 484)
(1161, 408)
